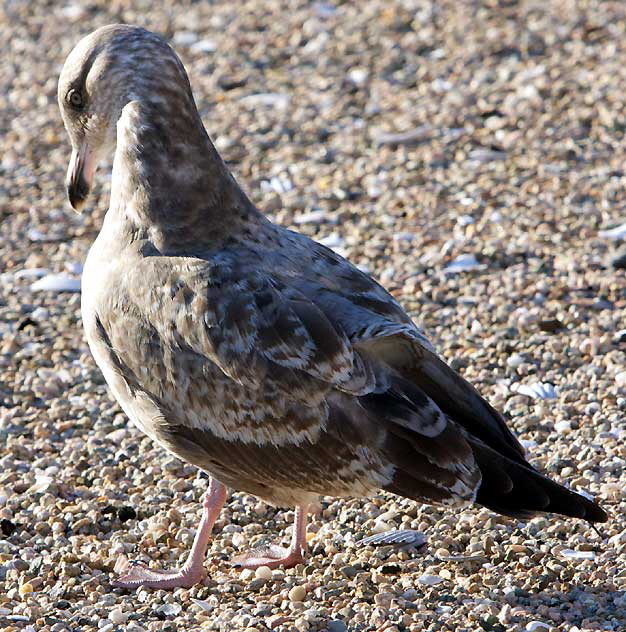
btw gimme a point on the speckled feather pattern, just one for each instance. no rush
(251, 351)
(247, 368)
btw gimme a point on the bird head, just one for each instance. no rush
(108, 69)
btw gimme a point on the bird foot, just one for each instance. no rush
(272, 556)
(141, 576)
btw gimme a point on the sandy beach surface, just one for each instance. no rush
(469, 155)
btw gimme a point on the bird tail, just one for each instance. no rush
(510, 485)
(516, 489)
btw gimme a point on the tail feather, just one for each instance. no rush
(510, 485)
(476, 458)
(518, 490)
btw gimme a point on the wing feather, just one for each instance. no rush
(304, 378)
(287, 371)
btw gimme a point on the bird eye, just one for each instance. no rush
(75, 99)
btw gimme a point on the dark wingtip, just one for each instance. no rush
(531, 493)
(576, 505)
(595, 513)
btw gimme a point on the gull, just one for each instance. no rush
(250, 351)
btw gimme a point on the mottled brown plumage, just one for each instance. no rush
(254, 353)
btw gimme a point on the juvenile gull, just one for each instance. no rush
(250, 351)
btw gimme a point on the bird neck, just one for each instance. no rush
(170, 185)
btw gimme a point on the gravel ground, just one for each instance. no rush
(471, 156)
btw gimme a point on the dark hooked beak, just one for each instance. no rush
(80, 176)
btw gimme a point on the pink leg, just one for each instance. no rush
(192, 572)
(274, 556)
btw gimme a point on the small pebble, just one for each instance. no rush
(515, 360)
(263, 572)
(7, 527)
(126, 513)
(297, 593)
(117, 616)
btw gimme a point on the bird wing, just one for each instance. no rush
(252, 326)
(377, 325)
(496, 470)
(240, 362)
